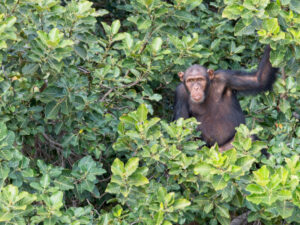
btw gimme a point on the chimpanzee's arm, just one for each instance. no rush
(181, 103)
(260, 80)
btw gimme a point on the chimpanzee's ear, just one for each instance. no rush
(211, 74)
(180, 75)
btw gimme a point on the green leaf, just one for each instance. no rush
(56, 200)
(131, 166)
(254, 188)
(43, 36)
(241, 28)
(115, 27)
(285, 209)
(128, 41)
(245, 162)
(270, 198)
(137, 180)
(3, 44)
(64, 183)
(117, 211)
(102, 12)
(231, 156)
(161, 193)
(113, 188)
(284, 195)
(223, 220)
(128, 119)
(208, 207)
(159, 217)
(54, 37)
(170, 130)
(222, 211)
(169, 199)
(106, 28)
(166, 223)
(262, 176)
(256, 198)
(156, 44)
(52, 109)
(232, 11)
(151, 123)
(218, 182)
(295, 5)
(181, 203)
(142, 113)
(66, 43)
(117, 168)
(203, 169)
(10, 21)
(119, 36)
(143, 24)
(30, 69)
(271, 25)
(45, 181)
(3, 131)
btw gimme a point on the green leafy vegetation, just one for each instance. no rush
(86, 94)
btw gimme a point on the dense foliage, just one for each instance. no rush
(86, 94)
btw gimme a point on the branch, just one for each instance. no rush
(51, 141)
(240, 220)
(106, 94)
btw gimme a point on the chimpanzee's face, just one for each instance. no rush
(196, 85)
(197, 80)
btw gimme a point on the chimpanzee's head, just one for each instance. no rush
(197, 79)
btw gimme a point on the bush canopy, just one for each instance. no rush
(86, 101)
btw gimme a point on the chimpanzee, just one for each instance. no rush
(210, 97)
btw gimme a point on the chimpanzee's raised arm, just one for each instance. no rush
(181, 103)
(260, 80)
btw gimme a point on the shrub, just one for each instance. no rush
(86, 95)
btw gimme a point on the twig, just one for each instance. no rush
(15, 6)
(51, 141)
(93, 207)
(105, 179)
(106, 94)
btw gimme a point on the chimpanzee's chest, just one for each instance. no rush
(218, 121)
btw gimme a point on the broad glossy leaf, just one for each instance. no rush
(203, 169)
(131, 166)
(262, 176)
(118, 168)
(256, 198)
(56, 200)
(232, 11)
(241, 29)
(3, 131)
(222, 211)
(54, 37)
(223, 220)
(137, 180)
(156, 44)
(52, 109)
(271, 25)
(254, 188)
(181, 203)
(218, 182)
(115, 27)
(113, 188)
(30, 69)
(295, 5)
(45, 181)
(285, 209)
(142, 113)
